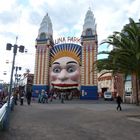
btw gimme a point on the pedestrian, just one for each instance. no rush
(62, 97)
(51, 95)
(119, 101)
(39, 98)
(15, 95)
(21, 96)
(44, 96)
(29, 94)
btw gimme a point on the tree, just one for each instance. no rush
(125, 56)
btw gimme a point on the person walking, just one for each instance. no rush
(15, 95)
(44, 96)
(119, 101)
(29, 94)
(39, 98)
(62, 97)
(51, 94)
(21, 96)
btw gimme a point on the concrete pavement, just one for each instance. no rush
(74, 120)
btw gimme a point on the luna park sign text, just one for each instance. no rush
(68, 40)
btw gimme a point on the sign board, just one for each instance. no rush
(67, 40)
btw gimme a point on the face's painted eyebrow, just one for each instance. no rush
(56, 63)
(71, 62)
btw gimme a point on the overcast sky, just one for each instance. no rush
(22, 18)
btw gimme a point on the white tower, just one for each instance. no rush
(43, 43)
(89, 54)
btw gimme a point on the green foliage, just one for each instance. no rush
(125, 57)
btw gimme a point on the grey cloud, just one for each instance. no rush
(7, 17)
(35, 18)
(8, 34)
(112, 6)
(63, 15)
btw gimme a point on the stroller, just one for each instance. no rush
(43, 98)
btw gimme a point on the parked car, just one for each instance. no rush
(108, 95)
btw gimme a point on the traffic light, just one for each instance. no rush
(21, 48)
(8, 46)
(15, 49)
(4, 73)
(19, 68)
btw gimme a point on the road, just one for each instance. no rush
(74, 120)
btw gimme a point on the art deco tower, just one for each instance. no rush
(44, 42)
(89, 55)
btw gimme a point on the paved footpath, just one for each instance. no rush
(73, 120)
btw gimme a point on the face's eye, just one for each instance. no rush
(56, 70)
(71, 69)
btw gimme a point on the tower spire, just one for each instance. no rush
(89, 8)
(89, 46)
(90, 3)
(89, 22)
(45, 30)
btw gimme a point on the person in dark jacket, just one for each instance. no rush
(29, 94)
(15, 95)
(62, 97)
(21, 96)
(119, 101)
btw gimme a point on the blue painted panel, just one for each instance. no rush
(37, 89)
(89, 92)
(1, 86)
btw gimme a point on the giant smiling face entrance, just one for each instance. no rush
(65, 73)
(65, 67)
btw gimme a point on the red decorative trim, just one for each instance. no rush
(65, 85)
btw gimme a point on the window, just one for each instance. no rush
(42, 36)
(128, 78)
(89, 32)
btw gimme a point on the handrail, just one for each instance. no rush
(4, 115)
(3, 111)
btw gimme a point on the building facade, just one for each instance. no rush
(85, 54)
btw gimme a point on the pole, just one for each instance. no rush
(8, 109)
(12, 71)
(16, 69)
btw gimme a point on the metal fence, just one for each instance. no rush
(5, 113)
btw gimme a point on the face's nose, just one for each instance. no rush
(63, 75)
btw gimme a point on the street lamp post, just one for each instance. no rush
(21, 49)
(8, 108)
